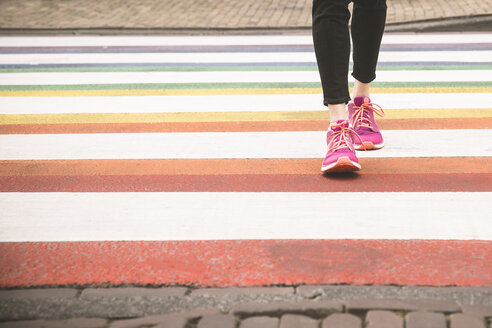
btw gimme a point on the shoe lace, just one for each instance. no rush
(341, 138)
(361, 116)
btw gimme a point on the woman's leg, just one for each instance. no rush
(331, 39)
(368, 21)
(361, 89)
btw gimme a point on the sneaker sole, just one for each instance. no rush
(369, 146)
(343, 164)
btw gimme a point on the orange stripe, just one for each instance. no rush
(238, 166)
(233, 126)
(426, 182)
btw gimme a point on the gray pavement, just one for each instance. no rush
(290, 306)
(217, 14)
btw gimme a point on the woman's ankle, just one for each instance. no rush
(361, 89)
(338, 112)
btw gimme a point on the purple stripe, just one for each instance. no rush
(198, 65)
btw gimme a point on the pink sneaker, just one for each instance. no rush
(341, 153)
(361, 118)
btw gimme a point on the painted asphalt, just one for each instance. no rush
(195, 161)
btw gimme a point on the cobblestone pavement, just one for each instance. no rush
(283, 307)
(212, 14)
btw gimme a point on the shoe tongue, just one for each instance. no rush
(360, 100)
(340, 123)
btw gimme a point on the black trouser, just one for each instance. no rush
(332, 43)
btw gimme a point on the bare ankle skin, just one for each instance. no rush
(361, 89)
(338, 112)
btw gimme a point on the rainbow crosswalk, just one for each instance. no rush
(196, 160)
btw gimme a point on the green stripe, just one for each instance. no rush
(175, 86)
(228, 68)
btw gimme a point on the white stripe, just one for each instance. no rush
(222, 40)
(311, 144)
(211, 216)
(72, 41)
(238, 57)
(227, 103)
(436, 38)
(197, 58)
(231, 77)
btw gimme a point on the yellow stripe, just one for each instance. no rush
(198, 92)
(226, 116)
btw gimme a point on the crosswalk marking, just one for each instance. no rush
(228, 77)
(223, 216)
(292, 144)
(244, 57)
(388, 38)
(189, 142)
(126, 90)
(208, 166)
(275, 117)
(233, 103)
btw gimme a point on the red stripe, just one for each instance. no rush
(248, 263)
(353, 182)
